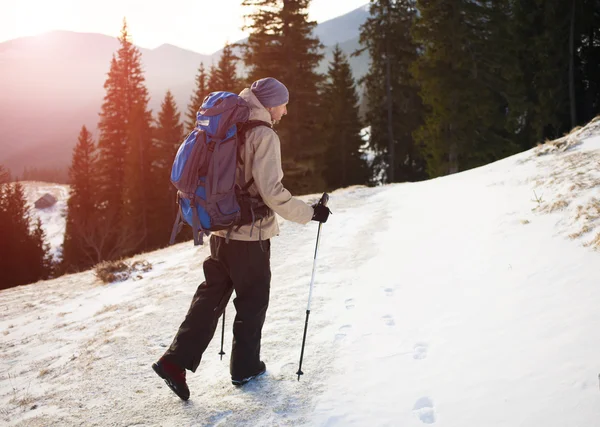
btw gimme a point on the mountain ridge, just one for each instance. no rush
(57, 80)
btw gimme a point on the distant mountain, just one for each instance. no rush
(52, 84)
(342, 28)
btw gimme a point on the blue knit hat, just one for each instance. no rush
(270, 92)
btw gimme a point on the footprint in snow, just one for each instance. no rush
(341, 334)
(389, 320)
(420, 351)
(349, 303)
(425, 410)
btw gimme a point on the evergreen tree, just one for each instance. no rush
(394, 109)
(225, 77)
(18, 237)
(113, 136)
(4, 175)
(5, 226)
(586, 51)
(213, 82)
(25, 256)
(124, 163)
(41, 258)
(460, 75)
(196, 98)
(539, 100)
(281, 44)
(81, 207)
(168, 136)
(344, 164)
(138, 193)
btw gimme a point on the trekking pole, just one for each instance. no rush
(324, 200)
(221, 353)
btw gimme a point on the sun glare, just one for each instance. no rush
(31, 17)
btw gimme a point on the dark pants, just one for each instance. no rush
(240, 266)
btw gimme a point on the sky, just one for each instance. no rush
(151, 23)
(458, 301)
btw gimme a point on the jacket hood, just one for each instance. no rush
(257, 110)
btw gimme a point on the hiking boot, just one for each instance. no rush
(241, 381)
(174, 376)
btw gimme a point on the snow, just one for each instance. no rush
(53, 218)
(459, 301)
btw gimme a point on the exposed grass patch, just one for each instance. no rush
(44, 372)
(585, 229)
(589, 212)
(23, 401)
(595, 243)
(117, 271)
(556, 206)
(558, 145)
(112, 271)
(106, 309)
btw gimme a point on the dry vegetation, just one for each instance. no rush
(44, 372)
(116, 271)
(106, 309)
(577, 174)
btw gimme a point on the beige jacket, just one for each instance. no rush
(262, 160)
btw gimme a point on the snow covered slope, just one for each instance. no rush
(465, 301)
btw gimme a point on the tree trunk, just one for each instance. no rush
(388, 88)
(572, 67)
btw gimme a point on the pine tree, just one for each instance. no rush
(212, 83)
(113, 137)
(168, 136)
(78, 252)
(225, 77)
(5, 226)
(4, 175)
(138, 194)
(394, 108)
(25, 255)
(282, 45)
(18, 237)
(539, 100)
(196, 98)
(461, 77)
(41, 258)
(586, 52)
(344, 165)
(124, 163)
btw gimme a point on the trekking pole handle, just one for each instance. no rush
(324, 199)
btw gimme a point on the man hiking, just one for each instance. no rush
(240, 258)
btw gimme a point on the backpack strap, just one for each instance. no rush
(176, 227)
(249, 125)
(243, 129)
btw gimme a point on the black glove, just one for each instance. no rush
(321, 213)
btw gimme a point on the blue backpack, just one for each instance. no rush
(204, 170)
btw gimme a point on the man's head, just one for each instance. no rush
(273, 95)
